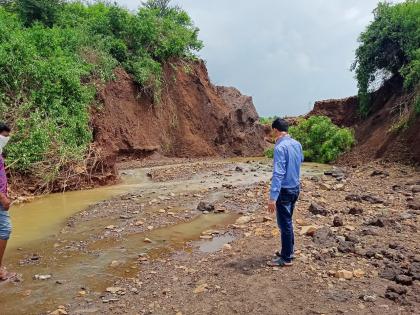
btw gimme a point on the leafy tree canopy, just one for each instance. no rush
(389, 46)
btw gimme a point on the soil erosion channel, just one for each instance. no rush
(66, 244)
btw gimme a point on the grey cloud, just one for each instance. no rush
(286, 54)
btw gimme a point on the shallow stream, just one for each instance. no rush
(37, 226)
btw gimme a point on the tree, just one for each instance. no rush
(44, 11)
(163, 6)
(388, 47)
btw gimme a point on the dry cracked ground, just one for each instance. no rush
(357, 245)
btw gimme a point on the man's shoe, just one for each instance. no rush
(279, 262)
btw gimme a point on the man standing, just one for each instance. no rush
(285, 188)
(5, 224)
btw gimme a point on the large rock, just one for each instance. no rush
(415, 203)
(315, 208)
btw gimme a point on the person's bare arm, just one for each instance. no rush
(4, 201)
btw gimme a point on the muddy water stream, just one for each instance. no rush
(37, 226)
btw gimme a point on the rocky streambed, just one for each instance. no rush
(197, 239)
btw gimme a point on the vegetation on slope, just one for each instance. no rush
(389, 46)
(321, 139)
(54, 56)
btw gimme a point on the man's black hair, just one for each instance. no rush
(280, 125)
(4, 127)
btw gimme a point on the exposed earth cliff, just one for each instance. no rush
(193, 119)
(391, 132)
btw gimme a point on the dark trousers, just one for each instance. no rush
(285, 206)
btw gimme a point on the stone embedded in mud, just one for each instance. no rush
(115, 290)
(315, 208)
(205, 206)
(344, 274)
(338, 221)
(356, 211)
(379, 173)
(244, 220)
(308, 230)
(346, 247)
(325, 186)
(353, 197)
(201, 288)
(415, 189)
(404, 280)
(398, 289)
(42, 277)
(379, 222)
(415, 203)
(373, 199)
(358, 273)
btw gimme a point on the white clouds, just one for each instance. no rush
(283, 53)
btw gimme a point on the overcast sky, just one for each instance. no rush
(285, 54)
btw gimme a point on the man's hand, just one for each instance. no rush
(5, 202)
(271, 206)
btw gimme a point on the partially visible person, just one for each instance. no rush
(5, 224)
(285, 188)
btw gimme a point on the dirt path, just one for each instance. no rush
(348, 224)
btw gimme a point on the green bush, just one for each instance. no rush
(53, 53)
(322, 141)
(389, 46)
(267, 120)
(269, 153)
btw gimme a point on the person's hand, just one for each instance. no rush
(5, 202)
(271, 206)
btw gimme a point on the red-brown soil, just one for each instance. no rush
(193, 119)
(378, 136)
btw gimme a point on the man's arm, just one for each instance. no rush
(4, 201)
(279, 172)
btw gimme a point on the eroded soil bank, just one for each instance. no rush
(151, 251)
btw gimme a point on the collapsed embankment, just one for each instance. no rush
(193, 118)
(391, 132)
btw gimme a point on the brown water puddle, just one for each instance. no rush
(37, 223)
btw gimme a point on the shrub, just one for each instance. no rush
(322, 141)
(389, 46)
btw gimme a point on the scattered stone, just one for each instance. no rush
(370, 231)
(227, 247)
(205, 206)
(344, 274)
(115, 290)
(389, 273)
(315, 209)
(372, 199)
(404, 280)
(379, 222)
(308, 230)
(356, 211)
(338, 221)
(379, 173)
(243, 220)
(239, 169)
(353, 197)
(325, 186)
(369, 297)
(42, 277)
(358, 273)
(399, 289)
(201, 288)
(147, 240)
(323, 236)
(415, 189)
(346, 247)
(415, 203)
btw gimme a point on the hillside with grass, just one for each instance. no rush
(57, 58)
